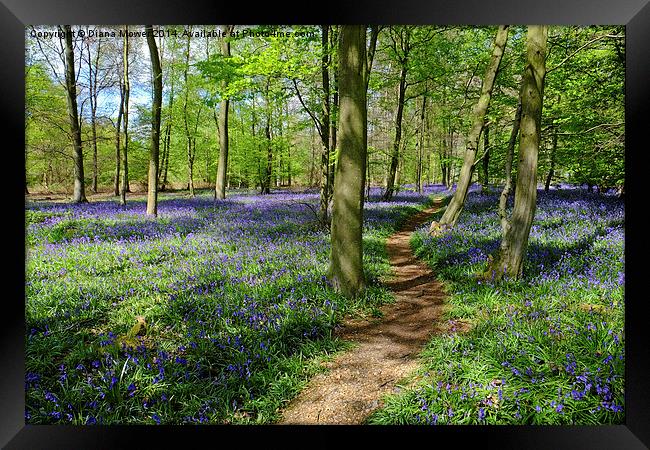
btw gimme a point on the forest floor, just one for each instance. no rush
(386, 348)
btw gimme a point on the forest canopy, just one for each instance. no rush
(273, 80)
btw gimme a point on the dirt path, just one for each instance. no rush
(387, 348)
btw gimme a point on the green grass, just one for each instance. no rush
(548, 349)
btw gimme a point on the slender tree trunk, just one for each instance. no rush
(222, 166)
(510, 257)
(168, 134)
(420, 147)
(93, 125)
(152, 191)
(313, 158)
(486, 156)
(505, 193)
(268, 170)
(326, 179)
(118, 150)
(93, 87)
(394, 161)
(125, 162)
(188, 136)
(551, 171)
(346, 258)
(79, 193)
(451, 214)
(333, 136)
(443, 161)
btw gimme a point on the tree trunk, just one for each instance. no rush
(394, 160)
(346, 258)
(118, 150)
(486, 156)
(152, 191)
(93, 86)
(325, 121)
(505, 193)
(420, 147)
(125, 162)
(551, 171)
(188, 136)
(266, 182)
(313, 158)
(510, 258)
(333, 114)
(79, 193)
(222, 167)
(451, 214)
(168, 134)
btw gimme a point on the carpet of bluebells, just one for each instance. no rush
(548, 349)
(238, 311)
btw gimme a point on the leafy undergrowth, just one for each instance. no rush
(548, 349)
(237, 311)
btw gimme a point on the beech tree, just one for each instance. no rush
(152, 191)
(79, 194)
(509, 259)
(346, 265)
(127, 90)
(451, 214)
(222, 168)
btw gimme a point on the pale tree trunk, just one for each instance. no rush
(266, 182)
(509, 260)
(313, 157)
(118, 150)
(346, 258)
(168, 134)
(505, 193)
(79, 193)
(222, 167)
(453, 210)
(93, 88)
(486, 156)
(551, 171)
(420, 146)
(152, 191)
(125, 162)
(289, 144)
(394, 160)
(188, 136)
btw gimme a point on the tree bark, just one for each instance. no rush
(420, 147)
(222, 167)
(394, 160)
(152, 191)
(325, 122)
(268, 170)
(125, 162)
(486, 156)
(188, 136)
(79, 193)
(551, 171)
(451, 214)
(118, 150)
(93, 86)
(346, 258)
(168, 131)
(510, 257)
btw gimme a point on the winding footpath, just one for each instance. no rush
(386, 350)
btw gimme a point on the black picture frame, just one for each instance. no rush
(16, 14)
